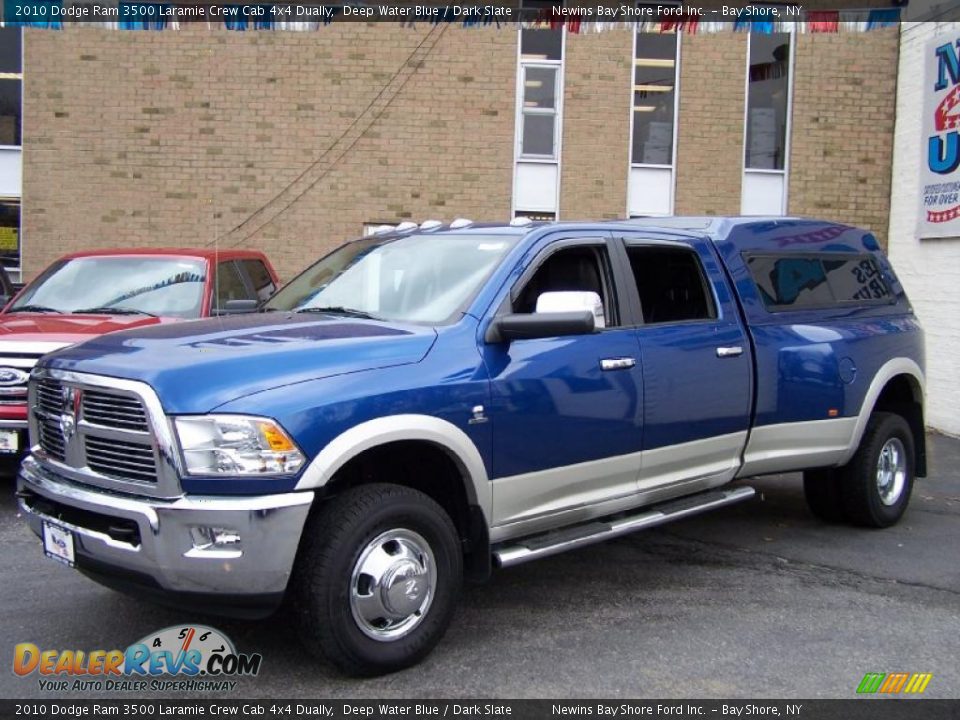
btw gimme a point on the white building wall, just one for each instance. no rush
(928, 269)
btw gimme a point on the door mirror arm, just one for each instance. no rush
(527, 326)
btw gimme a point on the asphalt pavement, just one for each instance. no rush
(755, 600)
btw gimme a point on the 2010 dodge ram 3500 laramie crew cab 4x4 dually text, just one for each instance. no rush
(434, 401)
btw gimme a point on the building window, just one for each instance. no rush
(540, 43)
(10, 236)
(766, 141)
(654, 98)
(539, 112)
(539, 118)
(11, 138)
(11, 86)
(655, 87)
(768, 101)
(535, 216)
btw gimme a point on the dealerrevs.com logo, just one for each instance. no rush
(191, 657)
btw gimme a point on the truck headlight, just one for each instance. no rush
(236, 445)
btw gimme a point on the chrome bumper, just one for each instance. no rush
(260, 564)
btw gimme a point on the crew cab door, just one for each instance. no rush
(566, 412)
(696, 363)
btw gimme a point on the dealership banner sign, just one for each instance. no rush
(939, 214)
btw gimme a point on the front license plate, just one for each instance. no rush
(9, 441)
(58, 543)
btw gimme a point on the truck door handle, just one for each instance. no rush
(731, 351)
(621, 363)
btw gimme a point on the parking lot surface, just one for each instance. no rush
(756, 600)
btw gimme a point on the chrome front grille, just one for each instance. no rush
(124, 460)
(50, 396)
(113, 410)
(103, 431)
(51, 438)
(49, 403)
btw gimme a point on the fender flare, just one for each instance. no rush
(888, 371)
(395, 428)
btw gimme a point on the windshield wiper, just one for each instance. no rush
(35, 308)
(111, 310)
(339, 310)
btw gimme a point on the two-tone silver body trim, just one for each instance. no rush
(525, 551)
(557, 497)
(74, 465)
(787, 447)
(391, 428)
(889, 370)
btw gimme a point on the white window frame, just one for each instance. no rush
(523, 111)
(788, 130)
(518, 157)
(676, 123)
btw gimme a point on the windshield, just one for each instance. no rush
(169, 287)
(418, 278)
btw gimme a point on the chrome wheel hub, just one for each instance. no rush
(891, 471)
(393, 584)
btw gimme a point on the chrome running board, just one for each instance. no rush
(558, 541)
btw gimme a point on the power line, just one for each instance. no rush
(435, 33)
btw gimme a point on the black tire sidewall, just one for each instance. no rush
(403, 511)
(862, 501)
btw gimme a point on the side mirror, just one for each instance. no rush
(572, 301)
(237, 307)
(525, 326)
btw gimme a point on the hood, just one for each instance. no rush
(198, 365)
(66, 329)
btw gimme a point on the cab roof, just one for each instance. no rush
(751, 233)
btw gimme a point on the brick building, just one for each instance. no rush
(294, 141)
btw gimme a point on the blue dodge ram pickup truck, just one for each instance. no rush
(431, 402)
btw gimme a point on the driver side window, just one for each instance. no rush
(578, 269)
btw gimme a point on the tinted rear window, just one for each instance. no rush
(855, 279)
(795, 282)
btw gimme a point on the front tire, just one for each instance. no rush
(376, 579)
(876, 484)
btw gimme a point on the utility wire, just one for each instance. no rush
(436, 32)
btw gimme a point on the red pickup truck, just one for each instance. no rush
(100, 291)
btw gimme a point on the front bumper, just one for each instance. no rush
(146, 543)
